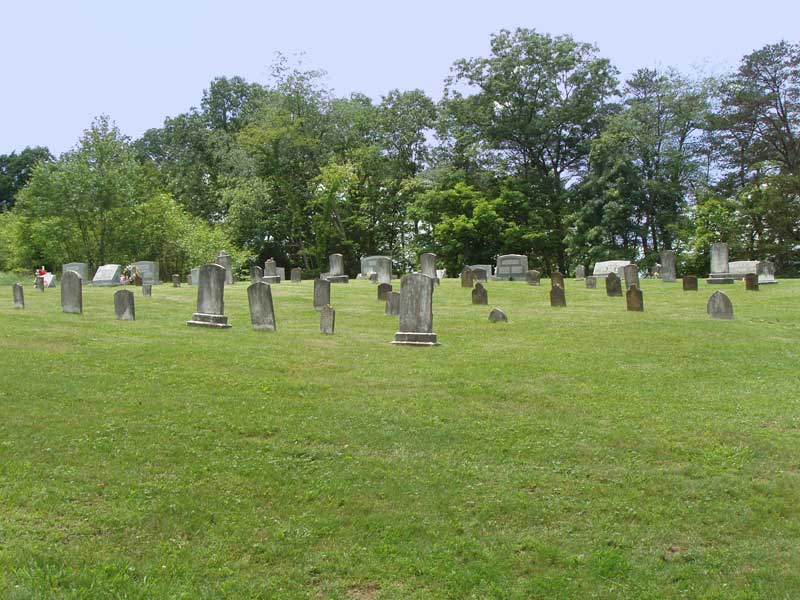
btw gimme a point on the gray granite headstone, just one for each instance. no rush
(613, 285)
(19, 297)
(480, 295)
(497, 316)
(633, 299)
(511, 267)
(603, 268)
(557, 296)
(262, 310)
(580, 272)
(71, 293)
(148, 269)
(296, 275)
(467, 278)
(689, 283)
(383, 290)
(416, 311)
(124, 305)
(327, 320)
(557, 278)
(668, 272)
(533, 277)
(256, 273)
(631, 273)
(210, 298)
(591, 282)
(226, 262)
(322, 293)
(176, 280)
(147, 290)
(719, 306)
(80, 268)
(393, 303)
(107, 275)
(751, 282)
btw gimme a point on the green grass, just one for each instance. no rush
(585, 452)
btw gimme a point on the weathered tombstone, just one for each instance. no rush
(719, 306)
(226, 262)
(613, 285)
(322, 293)
(603, 268)
(262, 310)
(194, 274)
(327, 320)
(533, 277)
(80, 268)
(634, 300)
(481, 272)
(210, 298)
(766, 273)
(148, 269)
(38, 283)
(383, 290)
(427, 263)
(124, 306)
(751, 282)
(271, 272)
(71, 293)
(369, 264)
(281, 272)
(467, 278)
(480, 295)
(176, 280)
(580, 272)
(591, 282)
(720, 271)
(383, 269)
(511, 267)
(668, 272)
(557, 296)
(497, 315)
(739, 268)
(631, 273)
(557, 278)
(19, 297)
(107, 275)
(296, 275)
(416, 311)
(689, 283)
(147, 290)
(256, 273)
(393, 303)
(336, 269)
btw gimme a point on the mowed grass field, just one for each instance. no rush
(581, 452)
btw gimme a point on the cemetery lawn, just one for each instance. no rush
(580, 452)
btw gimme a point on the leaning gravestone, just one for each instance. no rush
(591, 282)
(416, 311)
(124, 306)
(296, 274)
(633, 299)
(327, 320)
(497, 316)
(256, 273)
(427, 264)
(383, 290)
(580, 272)
(71, 293)
(80, 268)
(262, 310)
(148, 269)
(668, 272)
(480, 295)
(511, 267)
(107, 275)
(557, 278)
(226, 262)
(38, 283)
(557, 296)
(19, 298)
(393, 303)
(689, 283)
(322, 293)
(147, 290)
(271, 272)
(613, 285)
(751, 282)
(336, 269)
(176, 280)
(210, 298)
(631, 273)
(467, 278)
(533, 277)
(720, 271)
(719, 306)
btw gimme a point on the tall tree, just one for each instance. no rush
(16, 170)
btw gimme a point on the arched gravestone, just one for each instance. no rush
(719, 306)
(262, 310)
(557, 296)
(271, 272)
(327, 320)
(393, 304)
(511, 267)
(226, 262)
(668, 272)
(19, 297)
(633, 299)
(613, 285)
(591, 282)
(631, 273)
(124, 305)
(751, 282)
(256, 273)
(416, 311)
(71, 293)
(480, 295)
(322, 293)
(557, 278)
(296, 275)
(383, 291)
(689, 283)
(533, 277)
(497, 316)
(210, 298)
(467, 278)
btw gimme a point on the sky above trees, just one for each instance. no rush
(142, 62)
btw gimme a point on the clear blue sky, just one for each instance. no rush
(140, 61)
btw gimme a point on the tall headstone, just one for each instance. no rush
(557, 278)
(533, 277)
(296, 274)
(633, 299)
(580, 272)
(210, 298)
(393, 303)
(720, 270)
(271, 272)
(383, 268)
(176, 280)
(416, 311)
(631, 273)
(591, 282)
(613, 285)
(383, 290)
(147, 290)
(107, 275)
(689, 283)
(557, 296)
(71, 293)
(719, 306)
(38, 283)
(322, 293)
(336, 269)
(497, 316)
(467, 278)
(669, 273)
(427, 263)
(226, 262)
(480, 295)
(124, 305)
(262, 310)
(511, 267)
(148, 269)
(19, 297)
(481, 272)
(256, 273)
(751, 282)
(80, 268)
(327, 320)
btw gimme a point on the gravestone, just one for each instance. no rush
(148, 269)
(147, 290)
(393, 303)
(210, 298)
(669, 273)
(631, 273)
(71, 293)
(189, 279)
(124, 306)
(739, 268)
(602, 269)
(107, 275)
(557, 278)
(720, 273)
(591, 282)
(80, 268)
(480, 295)
(336, 269)
(226, 262)
(689, 283)
(580, 272)
(533, 277)
(296, 274)
(49, 280)
(262, 310)
(383, 290)
(416, 311)
(373, 278)
(634, 300)
(256, 273)
(19, 297)
(176, 280)
(557, 296)
(751, 282)
(441, 274)
(194, 275)
(281, 271)
(766, 273)
(383, 269)
(271, 272)
(427, 263)
(327, 320)
(322, 293)
(481, 272)
(511, 267)
(38, 283)
(369, 264)
(613, 285)
(719, 306)
(467, 278)
(497, 316)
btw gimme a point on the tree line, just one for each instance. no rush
(538, 148)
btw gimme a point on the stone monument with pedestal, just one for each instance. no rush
(210, 298)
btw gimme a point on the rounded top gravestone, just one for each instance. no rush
(719, 306)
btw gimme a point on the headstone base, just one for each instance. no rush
(339, 279)
(720, 279)
(206, 320)
(271, 279)
(415, 339)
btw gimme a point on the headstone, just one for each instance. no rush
(383, 290)
(226, 262)
(557, 278)
(256, 273)
(271, 272)
(19, 297)
(148, 269)
(383, 269)
(176, 280)
(739, 268)
(511, 267)
(441, 274)
(689, 283)
(107, 275)
(147, 290)
(393, 303)
(262, 311)
(38, 283)
(669, 273)
(751, 282)
(602, 269)
(336, 269)
(481, 272)
(80, 268)
(719, 306)
(189, 279)
(613, 285)
(373, 278)
(210, 298)
(427, 264)
(591, 282)
(533, 277)
(49, 280)
(497, 315)
(480, 295)
(720, 273)
(467, 278)
(296, 275)
(322, 293)
(766, 273)
(634, 300)
(281, 271)
(557, 296)
(124, 306)
(327, 320)
(71, 293)
(631, 273)
(580, 272)
(194, 275)
(369, 264)
(416, 311)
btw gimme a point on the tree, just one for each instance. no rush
(16, 170)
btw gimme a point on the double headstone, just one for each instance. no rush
(384, 289)
(689, 283)
(669, 273)
(719, 306)
(591, 282)
(631, 275)
(327, 320)
(256, 273)
(296, 274)
(467, 278)
(226, 262)
(71, 293)
(557, 278)
(751, 282)
(633, 299)
(322, 293)
(262, 310)
(124, 305)
(613, 285)
(271, 272)
(557, 296)
(210, 298)
(393, 303)
(533, 277)
(480, 295)
(19, 297)
(416, 311)
(511, 267)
